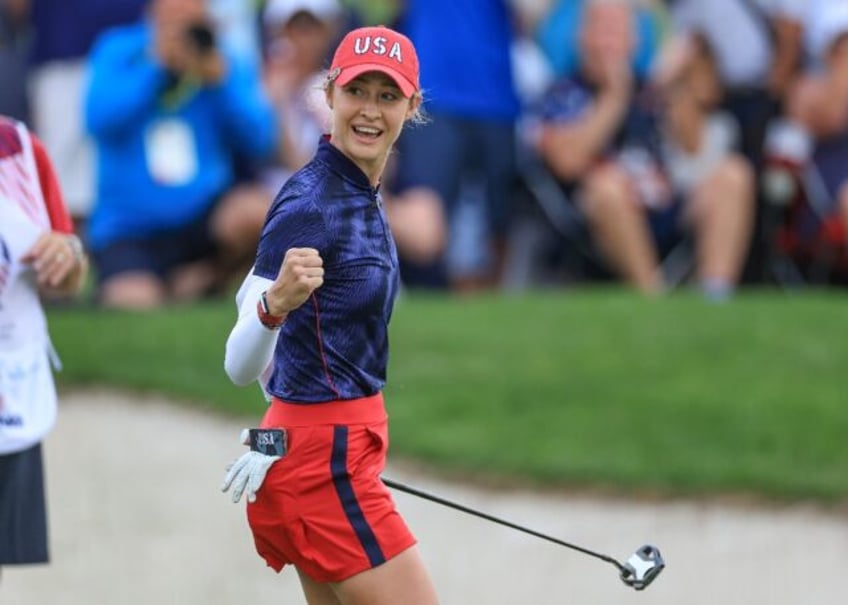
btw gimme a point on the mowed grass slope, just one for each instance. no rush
(596, 388)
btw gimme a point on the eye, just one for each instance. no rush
(354, 90)
(390, 96)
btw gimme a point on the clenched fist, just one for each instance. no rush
(300, 274)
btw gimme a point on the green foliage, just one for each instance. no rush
(597, 388)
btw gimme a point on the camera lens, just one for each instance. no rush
(201, 37)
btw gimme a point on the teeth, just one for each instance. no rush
(367, 130)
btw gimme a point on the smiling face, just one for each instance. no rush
(368, 115)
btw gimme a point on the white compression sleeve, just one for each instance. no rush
(250, 346)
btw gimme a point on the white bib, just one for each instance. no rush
(27, 390)
(27, 397)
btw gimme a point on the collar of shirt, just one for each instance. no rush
(342, 165)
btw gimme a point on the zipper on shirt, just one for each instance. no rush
(378, 202)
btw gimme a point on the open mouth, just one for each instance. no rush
(367, 132)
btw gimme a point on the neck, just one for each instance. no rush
(372, 169)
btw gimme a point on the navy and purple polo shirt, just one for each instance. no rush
(334, 346)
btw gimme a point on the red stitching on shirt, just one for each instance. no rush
(321, 346)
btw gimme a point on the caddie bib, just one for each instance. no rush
(27, 389)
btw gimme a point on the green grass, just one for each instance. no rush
(596, 388)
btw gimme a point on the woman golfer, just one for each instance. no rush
(312, 328)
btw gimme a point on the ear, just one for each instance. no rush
(414, 104)
(328, 95)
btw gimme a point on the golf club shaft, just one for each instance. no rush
(417, 492)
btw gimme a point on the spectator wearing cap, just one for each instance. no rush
(298, 37)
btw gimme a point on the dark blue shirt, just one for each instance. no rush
(637, 145)
(569, 99)
(335, 345)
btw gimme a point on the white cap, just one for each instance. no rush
(278, 12)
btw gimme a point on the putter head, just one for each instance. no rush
(642, 567)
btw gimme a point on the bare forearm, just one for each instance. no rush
(787, 55)
(570, 149)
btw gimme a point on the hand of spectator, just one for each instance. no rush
(616, 77)
(282, 79)
(684, 118)
(210, 66)
(179, 53)
(169, 47)
(301, 273)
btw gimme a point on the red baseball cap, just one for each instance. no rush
(376, 49)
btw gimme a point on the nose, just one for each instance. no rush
(369, 108)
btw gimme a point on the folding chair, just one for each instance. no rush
(550, 229)
(807, 241)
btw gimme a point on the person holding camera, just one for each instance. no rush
(174, 116)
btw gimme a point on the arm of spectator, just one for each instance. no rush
(125, 82)
(570, 148)
(675, 54)
(787, 57)
(249, 115)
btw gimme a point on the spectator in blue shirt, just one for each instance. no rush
(171, 111)
(468, 144)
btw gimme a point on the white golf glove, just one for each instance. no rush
(248, 472)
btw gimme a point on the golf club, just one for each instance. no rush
(638, 572)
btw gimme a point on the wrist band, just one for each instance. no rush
(272, 322)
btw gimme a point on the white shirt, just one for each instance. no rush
(27, 391)
(738, 34)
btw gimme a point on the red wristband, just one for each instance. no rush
(272, 322)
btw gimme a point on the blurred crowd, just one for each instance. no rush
(661, 143)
